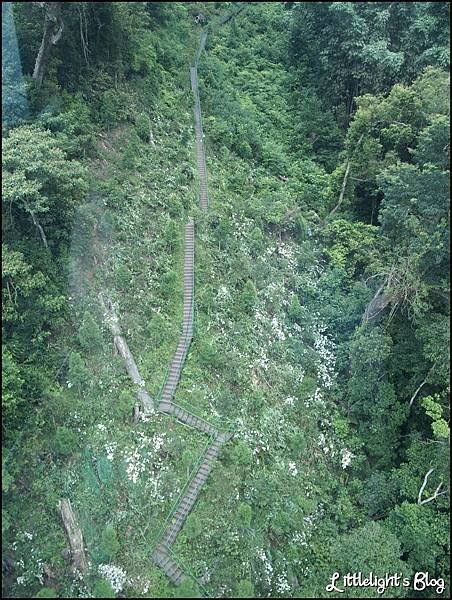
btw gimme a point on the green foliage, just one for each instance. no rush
(353, 247)
(422, 534)
(187, 589)
(78, 373)
(294, 97)
(143, 126)
(193, 527)
(434, 410)
(89, 335)
(65, 441)
(241, 455)
(12, 384)
(370, 49)
(295, 310)
(104, 470)
(39, 181)
(244, 515)
(109, 543)
(247, 298)
(244, 589)
(103, 589)
(46, 593)
(370, 548)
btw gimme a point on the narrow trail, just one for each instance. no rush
(162, 553)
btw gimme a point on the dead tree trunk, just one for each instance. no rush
(53, 30)
(74, 534)
(123, 349)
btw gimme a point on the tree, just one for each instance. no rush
(343, 50)
(248, 296)
(422, 533)
(40, 182)
(143, 127)
(371, 548)
(53, 30)
(14, 96)
(371, 395)
(89, 335)
(78, 373)
(295, 310)
(434, 410)
(12, 384)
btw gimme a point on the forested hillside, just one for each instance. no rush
(321, 295)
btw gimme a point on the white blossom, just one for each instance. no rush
(346, 457)
(293, 469)
(114, 575)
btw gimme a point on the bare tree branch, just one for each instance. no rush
(421, 386)
(421, 491)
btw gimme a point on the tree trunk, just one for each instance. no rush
(123, 349)
(53, 30)
(74, 534)
(347, 173)
(40, 229)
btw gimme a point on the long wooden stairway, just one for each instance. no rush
(177, 362)
(200, 153)
(162, 554)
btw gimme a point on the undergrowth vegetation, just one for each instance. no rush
(320, 297)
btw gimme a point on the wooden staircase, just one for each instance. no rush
(200, 154)
(177, 362)
(162, 554)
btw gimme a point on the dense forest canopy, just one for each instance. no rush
(321, 293)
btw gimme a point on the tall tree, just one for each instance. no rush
(53, 30)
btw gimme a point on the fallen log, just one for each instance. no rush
(123, 349)
(75, 537)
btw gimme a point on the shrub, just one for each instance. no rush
(46, 593)
(109, 543)
(89, 335)
(64, 441)
(78, 373)
(248, 297)
(187, 589)
(244, 589)
(143, 126)
(244, 515)
(102, 589)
